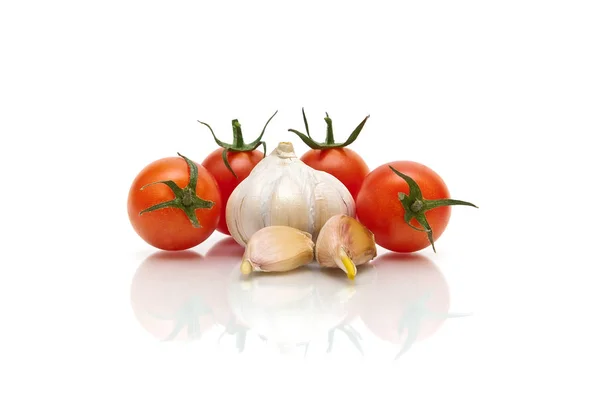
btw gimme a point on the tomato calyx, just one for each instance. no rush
(329, 140)
(415, 205)
(237, 330)
(238, 141)
(186, 198)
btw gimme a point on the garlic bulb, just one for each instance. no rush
(282, 190)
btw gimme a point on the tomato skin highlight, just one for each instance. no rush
(242, 163)
(169, 228)
(380, 210)
(343, 163)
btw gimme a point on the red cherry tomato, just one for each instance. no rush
(232, 163)
(168, 209)
(343, 163)
(334, 158)
(424, 193)
(242, 163)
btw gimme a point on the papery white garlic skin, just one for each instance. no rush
(277, 248)
(283, 190)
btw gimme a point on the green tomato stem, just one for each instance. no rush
(415, 205)
(185, 198)
(329, 139)
(238, 138)
(238, 141)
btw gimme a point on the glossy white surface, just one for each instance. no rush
(184, 296)
(500, 98)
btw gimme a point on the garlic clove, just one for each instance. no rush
(288, 205)
(345, 243)
(277, 249)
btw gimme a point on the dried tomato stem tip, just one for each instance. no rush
(238, 141)
(415, 205)
(329, 140)
(186, 198)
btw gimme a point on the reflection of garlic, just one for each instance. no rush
(282, 190)
(296, 308)
(345, 243)
(277, 248)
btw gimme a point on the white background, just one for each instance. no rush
(501, 98)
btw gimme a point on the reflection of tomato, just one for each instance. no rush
(227, 254)
(175, 296)
(168, 197)
(227, 249)
(408, 301)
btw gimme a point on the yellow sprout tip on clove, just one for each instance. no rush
(349, 266)
(246, 267)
